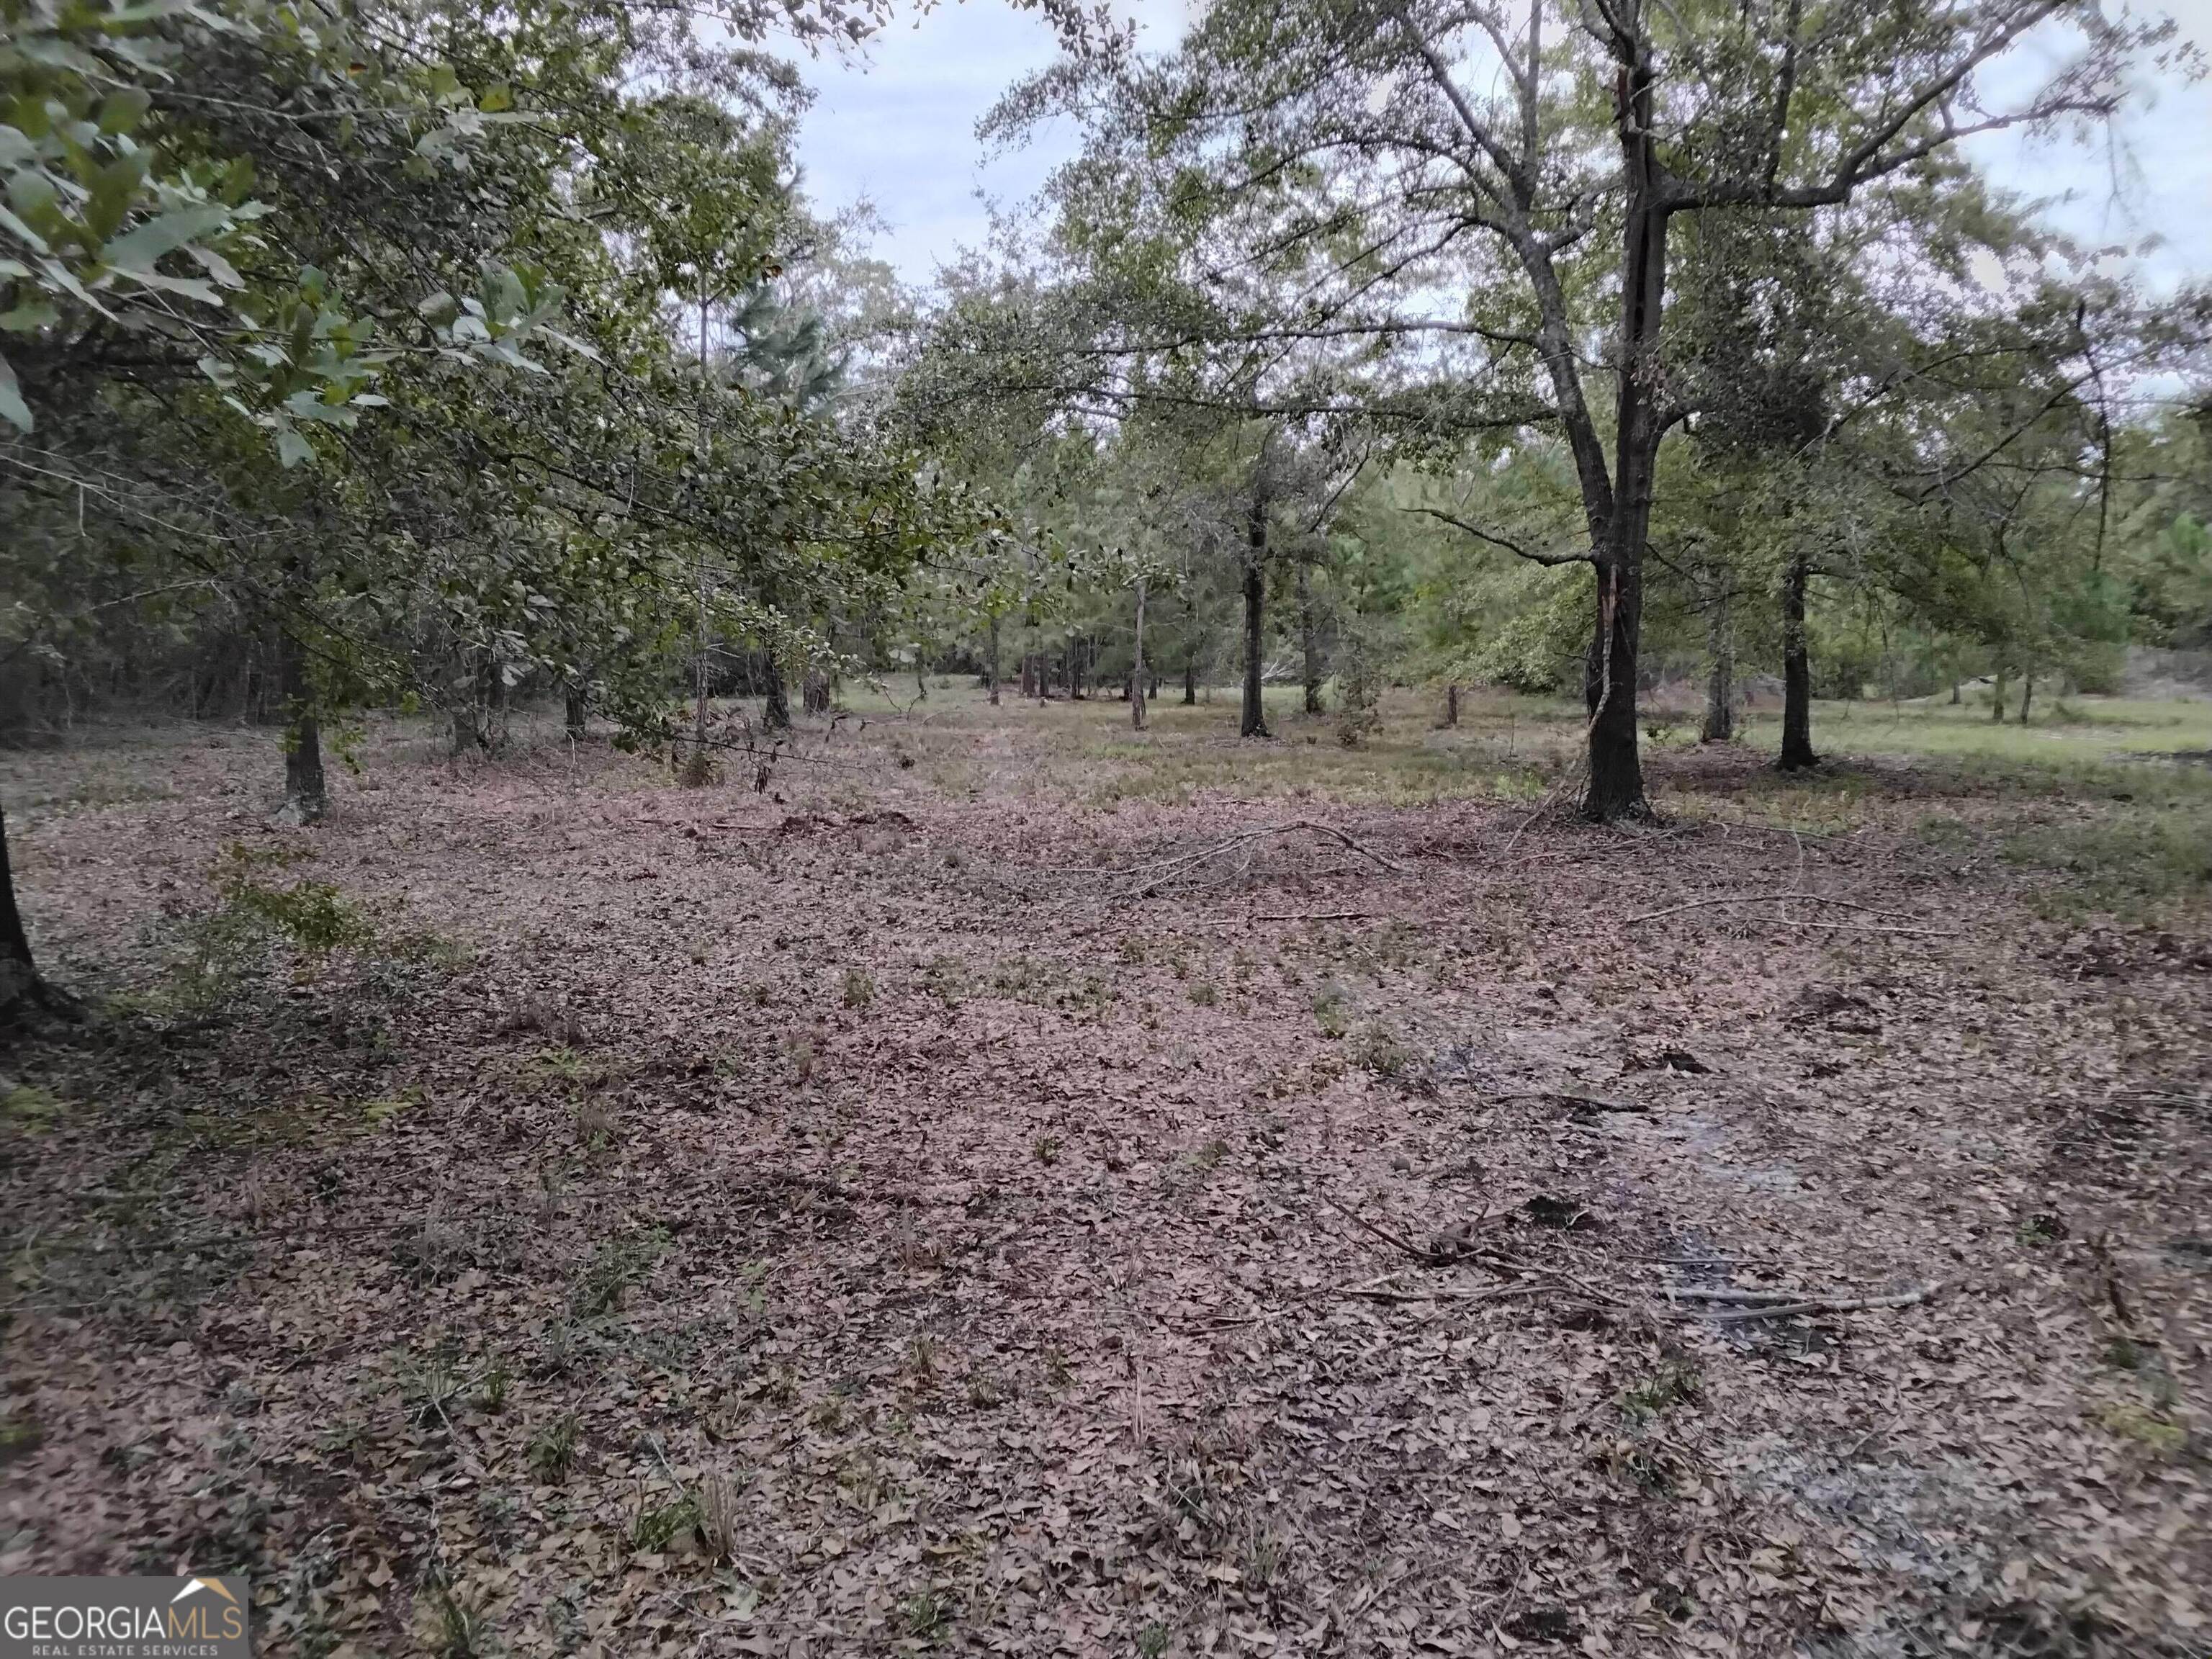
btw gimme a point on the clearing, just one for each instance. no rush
(1018, 1186)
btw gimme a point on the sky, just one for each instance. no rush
(895, 125)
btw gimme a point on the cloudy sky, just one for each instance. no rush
(897, 127)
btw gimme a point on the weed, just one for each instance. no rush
(497, 1512)
(1381, 1052)
(718, 1516)
(492, 1386)
(1153, 1640)
(428, 1389)
(1670, 1386)
(552, 1451)
(30, 1110)
(944, 980)
(921, 1357)
(859, 988)
(925, 1614)
(2146, 1428)
(253, 916)
(19, 1437)
(461, 1629)
(656, 1529)
(799, 1052)
(433, 1251)
(1047, 1149)
(599, 1126)
(1205, 994)
(1331, 1009)
(615, 1265)
(381, 1111)
(1058, 1373)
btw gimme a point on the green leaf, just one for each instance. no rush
(121, 111)
(292, 448)
(29, 315)
(496, 98)
(137, 248)
(13, 409)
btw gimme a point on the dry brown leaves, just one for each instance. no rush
(832, 1225)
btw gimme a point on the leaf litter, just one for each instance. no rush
(882, 1219)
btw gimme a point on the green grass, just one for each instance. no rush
(2096, 802)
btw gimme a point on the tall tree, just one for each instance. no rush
(1527, 166)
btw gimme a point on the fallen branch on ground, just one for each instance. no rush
(1764, 898)
(1165, 873)
(1431, 1258)
(1826, 1305)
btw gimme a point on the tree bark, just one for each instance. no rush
(307, 796)
(2026, 696)
(1720, 674)
(1254, 722)
(20, 988)
(991, 670)
(1308, 642)
(775, 711)
(1451, 704)
(1616, 770)
(1997, 695)
(576, 715)
(1797, 754)
(1137, 666)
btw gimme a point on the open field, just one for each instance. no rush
(1017, 1185)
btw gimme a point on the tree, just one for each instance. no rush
(1355, 145)
(234, 230)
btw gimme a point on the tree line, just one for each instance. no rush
(438, 356)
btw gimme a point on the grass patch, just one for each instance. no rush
(2131, 864)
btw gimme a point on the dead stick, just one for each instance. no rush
(1383, 1233)
(1690, 1293)
(1827, 1304)
(1764, 898)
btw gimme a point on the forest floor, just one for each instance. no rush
(1015, 1185)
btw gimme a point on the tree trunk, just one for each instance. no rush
(920, 679)
(775, 711)
(576, 712)
(992, 668)
(1308, 642)
(307, 797)
(1137, 666)
(1720, 676)
(1616, 770)
(1451, 704)
(1254, 722)
(1997, 695)
(1797, 754)
(2026, 696)
(20, 988)
(1955, 698)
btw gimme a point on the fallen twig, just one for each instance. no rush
(1399, 1240)
(1488, 1293)
(1826, 1305)
(1314, 915)
(1764, 898)
(1168, 872)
